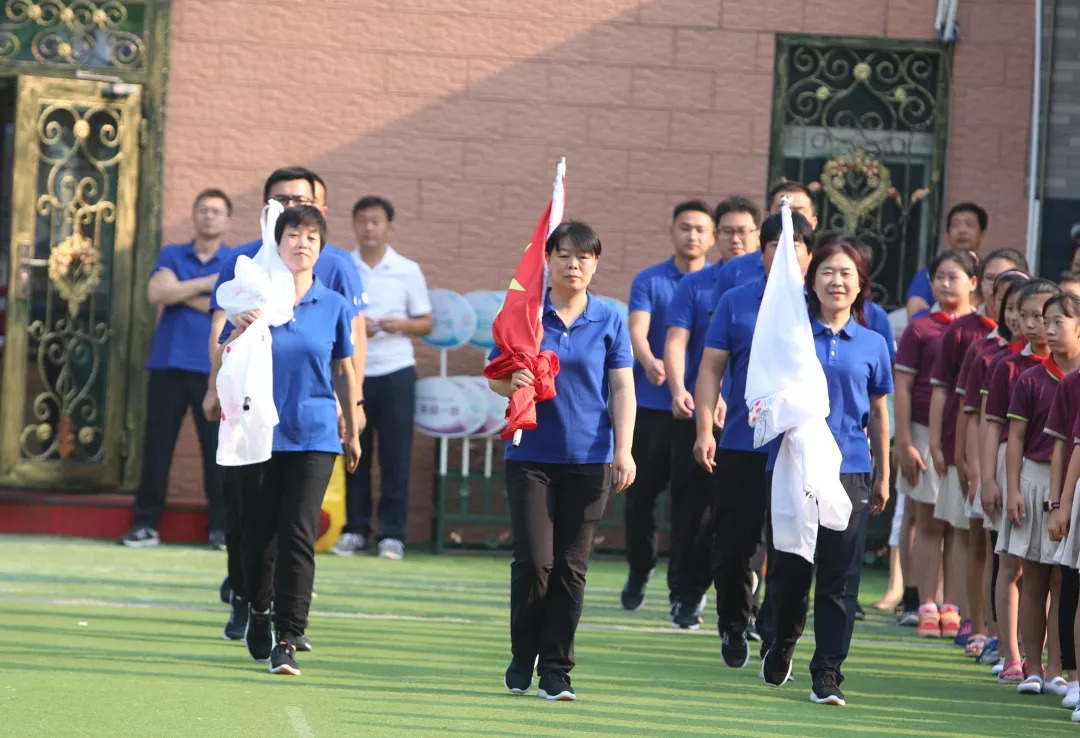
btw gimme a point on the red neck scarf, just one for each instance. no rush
(1051, 366)
(987, 323)
(1016, 346)
(942, 317)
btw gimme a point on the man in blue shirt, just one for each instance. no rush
(692, 235)
(290, 186)
(179, 367)
(741, 493)
(687, 322)
(965, 228)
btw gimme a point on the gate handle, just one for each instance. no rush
(26, 263)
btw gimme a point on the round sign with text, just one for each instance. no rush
(444, 410)
(486, 304)
(453, 319)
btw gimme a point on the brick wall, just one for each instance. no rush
(458, 109)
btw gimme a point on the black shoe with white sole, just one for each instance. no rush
(685, 616)
(238, 619)
(776, 667)
(556, 687)
(826, 690)
(752, 631)
(303, 644)
(283, 660)
(734, 649)
(259, 635)
(518, 679)
(140, 538)
(633, 593)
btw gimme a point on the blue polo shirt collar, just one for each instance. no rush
(591, 314)
(848, 331)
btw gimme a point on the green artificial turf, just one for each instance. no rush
(101, 640)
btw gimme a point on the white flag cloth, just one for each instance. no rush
(787, 393)
(245, 383)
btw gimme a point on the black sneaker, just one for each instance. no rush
(776, 667)
(685, 616)
(752, 631)
(216, 541)
(225, 593)
(633, 593)
(140, 538)
(518, 678)
(259, 635)
(860, 614)
(303, 644)
(827, 691)
(556, 687)
(735, 650)
(283, 660)
(238, 620)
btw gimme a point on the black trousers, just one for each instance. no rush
(835, 591)
(280, 525)
(740, 512)
(389, 402)
(171, 392)
(652, 451)
(1067, 603)
(554, 510)
(691, 515)
(233, 481)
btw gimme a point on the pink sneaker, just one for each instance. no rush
(1013, 673)
(929, 622)
(950, 621)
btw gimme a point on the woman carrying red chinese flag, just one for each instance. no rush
(560, 475)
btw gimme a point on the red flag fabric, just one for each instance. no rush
(517, 331)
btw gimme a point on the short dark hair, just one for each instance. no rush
(1016, 282)
(690, 206)
(213, 193)
(301, 216)
(1067, 302)
(319, 180)
(1037, 287)
(1019, 260)
(581, 235)
(773, 226)
(833, 247)
(737, 204)
(969, 207)
(1069, 275)
(862, 248)
(961, 257)
(288, 174)
(792, 188)
(374, 201)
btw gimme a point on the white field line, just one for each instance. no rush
(300, 725)
(84, 602)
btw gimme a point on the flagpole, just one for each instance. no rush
(558, 201)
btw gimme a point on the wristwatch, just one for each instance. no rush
(359, 403)
(1051, 505)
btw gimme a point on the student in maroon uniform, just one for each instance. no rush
(1033, 296)
(1062, 524)
(953, 280)
(1027, 465)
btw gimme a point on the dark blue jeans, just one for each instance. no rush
(389, 402)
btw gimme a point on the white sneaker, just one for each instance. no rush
(1075, 717)
(998, 667)
(391, 548)
(348, 544)
(1057, 686)
(1072, 695)
(1032, 685)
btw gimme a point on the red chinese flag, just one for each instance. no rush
(517, 332)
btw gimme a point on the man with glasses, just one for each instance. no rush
(687, 322)
(290, 186)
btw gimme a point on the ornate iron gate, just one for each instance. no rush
(863, 123)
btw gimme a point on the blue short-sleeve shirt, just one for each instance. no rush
(692, 307)
(857, 367)
(878, 321)
(920, 287)
(651, 292)
(740, 270)
(182, 332)
(319, 332)
(334, 267)
(574, 427)
(732, 330)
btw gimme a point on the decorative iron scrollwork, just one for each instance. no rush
(70, 32)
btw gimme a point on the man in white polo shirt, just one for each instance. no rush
(398, 311)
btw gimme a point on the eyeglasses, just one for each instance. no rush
(290, 200)
(740, 232)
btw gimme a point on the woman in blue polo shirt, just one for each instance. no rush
(558, 479)
(280, 513)
(859, 376)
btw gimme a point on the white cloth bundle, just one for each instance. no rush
(245, 383)
(787, 393)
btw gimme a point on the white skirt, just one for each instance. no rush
(926, 490)
(950, 501)
(1031, 539)
(897, 522)
(999, 475)
(1068, 550)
